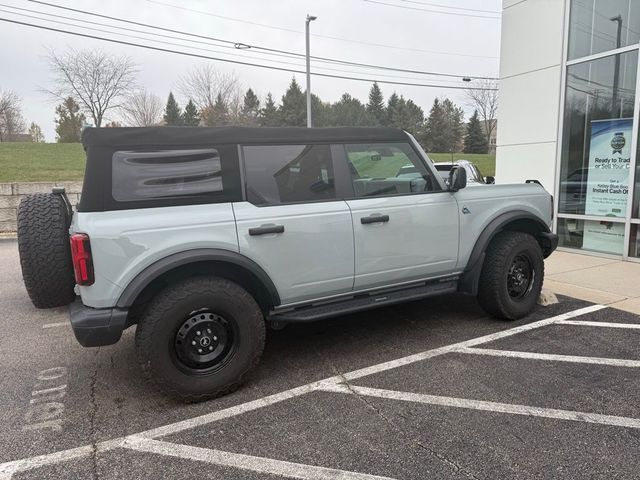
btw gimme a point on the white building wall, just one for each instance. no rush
(530, 86)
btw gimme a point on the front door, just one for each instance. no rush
(405, 225)
(292, 224)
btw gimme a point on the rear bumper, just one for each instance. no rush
(548, 243)
(95, 327)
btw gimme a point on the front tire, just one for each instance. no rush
(512, 276)
(200, 338)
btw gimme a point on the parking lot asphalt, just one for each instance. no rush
(430, 389)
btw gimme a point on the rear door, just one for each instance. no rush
(292, 223)
(405, 225)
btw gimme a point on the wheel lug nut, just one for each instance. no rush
(208, 330)
(198, 332)
(210, 348)
(215, 339)
(199, 350)
(193, 342)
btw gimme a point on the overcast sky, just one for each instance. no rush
(468, 45)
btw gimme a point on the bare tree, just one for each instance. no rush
(11, 120)
(99, 80)
(142, 109)
(484, 99)
(203, 85)
(36, 133)
(234, 104)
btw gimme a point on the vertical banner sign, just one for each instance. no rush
(608, 183)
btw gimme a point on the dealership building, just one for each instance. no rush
(569, 116)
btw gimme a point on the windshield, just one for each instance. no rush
(425, 156)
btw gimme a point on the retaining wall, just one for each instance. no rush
(11, 193)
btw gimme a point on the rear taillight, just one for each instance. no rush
(81, 257)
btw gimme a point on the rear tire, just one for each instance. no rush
(512, 276)
(200, 338)
(45, 254)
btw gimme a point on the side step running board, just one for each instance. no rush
(357, 304)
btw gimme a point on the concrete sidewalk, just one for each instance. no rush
(595, 279)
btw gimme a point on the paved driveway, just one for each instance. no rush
(432, 389)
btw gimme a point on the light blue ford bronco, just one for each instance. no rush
(203, 236)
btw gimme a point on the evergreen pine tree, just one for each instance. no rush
(475, 141)
(293, 110)
(69, 121)
(218, 114)
(269, 113)
(250, 108)
(375, 107)
(454, 133)
(444, 127)
(172, 113)
(190, 116)
(407, 116)
(434, 129)
(392, 104)
(349, 112)
(322, 112)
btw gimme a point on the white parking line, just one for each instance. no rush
(8, 468)
(486, 406)
(58, 324)
(236, 410)
(614, 362)
(600, 324)
(381, 367)
(245, 462)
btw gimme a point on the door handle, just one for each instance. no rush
(374, 219)
(267, 229)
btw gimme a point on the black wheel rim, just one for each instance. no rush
(520, 277)
(204, 342)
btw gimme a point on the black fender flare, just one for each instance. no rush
(470, 278)
(166, 264)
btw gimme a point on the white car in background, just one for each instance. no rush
(474, 177)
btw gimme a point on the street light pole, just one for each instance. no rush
(616, 74)
(309, 20)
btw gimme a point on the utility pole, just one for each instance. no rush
(310, 19)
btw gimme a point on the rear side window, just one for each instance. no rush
(385, 169)
(166, 173)
(288, 174)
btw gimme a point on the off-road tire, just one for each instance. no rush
(164, 316)
(45, 254)
(493, 293)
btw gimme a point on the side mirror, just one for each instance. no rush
(489, 180)
(457, 179)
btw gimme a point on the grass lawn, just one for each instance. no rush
(485, 162)
(43, 162)
(389, 166)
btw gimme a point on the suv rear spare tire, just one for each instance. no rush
(512, 275)
(199, 338)
(45, 255)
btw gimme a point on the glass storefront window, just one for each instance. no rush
(635, 209)
(596, 148)
(595, 188)
(634, 243)
(599, 25)
(595, 236)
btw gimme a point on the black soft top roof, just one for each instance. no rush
(158, 136)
